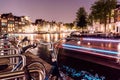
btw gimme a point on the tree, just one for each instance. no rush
(101, 10)
(111, 4)
(81, 19)
(69, 25)
(90, 19)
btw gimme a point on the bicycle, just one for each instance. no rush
(53, 52)
(31, 65)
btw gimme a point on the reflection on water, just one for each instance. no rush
(43, 51)
(45, 37)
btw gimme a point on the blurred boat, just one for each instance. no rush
(89, 58)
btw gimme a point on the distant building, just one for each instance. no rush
(117, 18)
(40, 24)
(113, 25)
(10, 23)
(17, 23)
(22, 24)
(5, 18)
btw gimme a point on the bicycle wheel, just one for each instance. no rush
(39, 71)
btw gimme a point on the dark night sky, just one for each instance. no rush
(56, 10)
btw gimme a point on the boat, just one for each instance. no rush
(89, 58)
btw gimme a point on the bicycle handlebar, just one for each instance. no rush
(17, 44)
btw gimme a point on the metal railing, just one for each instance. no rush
(20, 75)
(16, 63)
(12, 61)
(6, 48)
(36, 70)
(8, 51)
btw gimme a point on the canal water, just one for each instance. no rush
(46, 37)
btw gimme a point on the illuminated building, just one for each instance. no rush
(113, 23)
(117, 18)
(17, 23)
(10, 23)
(21, 24)
(4, 22)
(39, 23)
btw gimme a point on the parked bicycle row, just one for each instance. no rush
(13, 63)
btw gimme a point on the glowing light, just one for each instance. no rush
(92, 49)
(48, 38)
(79, 42)
(56, 37)
(88, 43)
(64, 40)
(109, 45)
(27, 18)
(118, 49)
(29, 29)
(101, 40)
